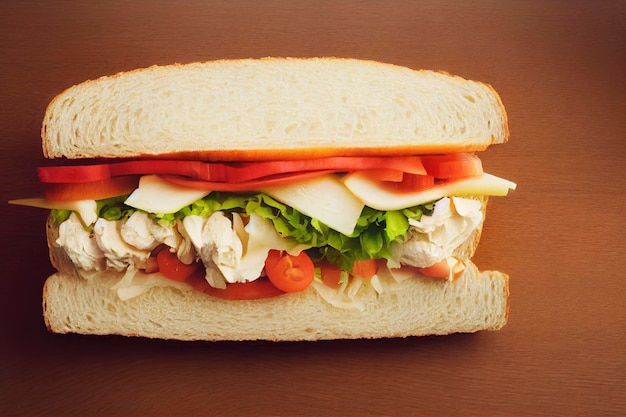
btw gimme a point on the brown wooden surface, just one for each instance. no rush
(560, 69)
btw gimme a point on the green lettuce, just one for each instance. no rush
(58, 216)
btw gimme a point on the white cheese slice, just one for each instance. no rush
(86, 209)
(379, 198)
(323, 198)
(156, 195)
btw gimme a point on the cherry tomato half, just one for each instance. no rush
(365, 269)
(331, 275)
(288, 272)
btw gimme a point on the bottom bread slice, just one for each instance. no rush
(414, 307)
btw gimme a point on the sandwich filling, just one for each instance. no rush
(245, 231)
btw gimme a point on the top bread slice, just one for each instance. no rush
(273, 108)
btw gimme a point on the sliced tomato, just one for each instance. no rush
(409, 183)
(226, 172)
(98, 172)
(407, 173)
(444, 269)
(173, 268)
(95, 190)
(330, 274)
(252, 185)
(253, 290)
(384, 174)
(192, 169)
(198, 281)
(251, 170)
(290, 273)
(452, 166)
(438, 270)
(365, 269)
(74, 174)
(414, 182)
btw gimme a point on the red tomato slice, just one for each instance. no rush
(98, 172)
(252, 170)
(253, 290)
(413, 182)
(383, 174)
(198, 280)
(95, 190)
(409, 183)
(74, 174)
(288, 272)
(252, 185)
(442, 270)
(172, 267)
(438, 270)
(365, 269)
(450, 166)
(226, 172)
(191, 169)
(331, 275)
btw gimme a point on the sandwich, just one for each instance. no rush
(280, 199)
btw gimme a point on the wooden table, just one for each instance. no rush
(560, 68)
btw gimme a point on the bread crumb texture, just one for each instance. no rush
(476, 301)
(255, 107)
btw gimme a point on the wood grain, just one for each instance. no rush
(560, 69)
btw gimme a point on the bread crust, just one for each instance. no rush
(253, 155)
(415, 307)
(84, 121)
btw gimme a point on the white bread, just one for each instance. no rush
(476, 301)
(273, 108)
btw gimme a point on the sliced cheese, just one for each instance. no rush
(157, 195)
(86, 209)
(323, 198)
(373, 195)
